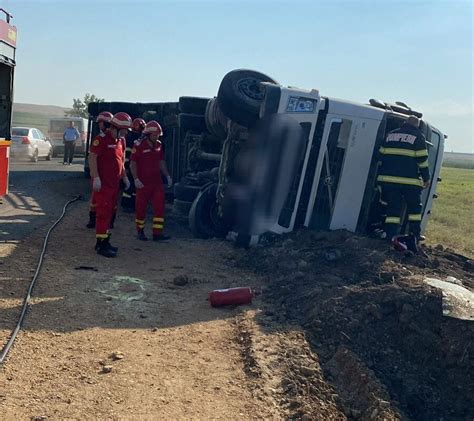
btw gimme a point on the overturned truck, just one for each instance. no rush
(263, 158)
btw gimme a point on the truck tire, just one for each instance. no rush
(216, 121)
(241, 94)
(193, 105)
(203, 219)
(192, 122)
(186, 192)
(182, 207)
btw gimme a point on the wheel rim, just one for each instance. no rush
(251, 88)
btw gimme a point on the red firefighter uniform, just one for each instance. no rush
(103, 120)
(147, 156)
(110, 156)
(93, 202)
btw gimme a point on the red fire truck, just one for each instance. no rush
(8, 36)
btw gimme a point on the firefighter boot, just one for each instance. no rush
(91, 223)
(115, 249)
(160, 237)
(141, 235)
(112, 221)
(102, 247)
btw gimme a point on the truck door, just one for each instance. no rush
(332, 150)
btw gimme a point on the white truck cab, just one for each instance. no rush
(334, 185)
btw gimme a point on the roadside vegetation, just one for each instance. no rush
(451, 222)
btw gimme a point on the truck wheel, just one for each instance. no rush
(216, 122)
(241, 94)
(204, 221)
(193, 105)
(192, 122)
(182, 207)
(186, 192)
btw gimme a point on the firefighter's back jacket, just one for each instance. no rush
(404, 157)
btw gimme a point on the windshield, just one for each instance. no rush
(59, 126)
(20, 132)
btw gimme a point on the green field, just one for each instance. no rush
(458, 160)
(22, 119)
(452, 217)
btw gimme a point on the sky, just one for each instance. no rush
(418, 52)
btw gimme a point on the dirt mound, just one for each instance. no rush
(377, 328)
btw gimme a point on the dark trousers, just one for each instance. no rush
(127, 200)
(396, 195)
(69, 148)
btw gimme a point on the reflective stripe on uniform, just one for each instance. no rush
(101, 236)
(140, 221)
(415, 217)
(157, 219)
(392, 220)
(126, 195)
(128, 149)
(397, 151)
(421, 152)
(400, 180)
(159, 226)
(424, 164)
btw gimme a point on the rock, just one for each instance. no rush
(181, 280)
(308, 371)
(117, 355)
(38, 418)
(107, 369)
(439, 247)
(306, 417)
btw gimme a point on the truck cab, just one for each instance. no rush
(333, 175)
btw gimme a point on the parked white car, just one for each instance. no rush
(30, 143)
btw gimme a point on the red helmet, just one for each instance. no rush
(105, 116)
(121, 121)
(138, 124)
(153, 127)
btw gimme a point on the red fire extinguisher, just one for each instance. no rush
(235, 296)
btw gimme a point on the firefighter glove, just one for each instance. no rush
(138, 184)
(96, 184)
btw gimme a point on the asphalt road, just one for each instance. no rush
(38, 192)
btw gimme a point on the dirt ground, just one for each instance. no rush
(378, 330)
(358, 337)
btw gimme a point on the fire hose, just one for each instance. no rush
(27, 298)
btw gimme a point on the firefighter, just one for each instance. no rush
(103, 121)
(106, 161)
(147, 165)
(403, 174)
(128, 196)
